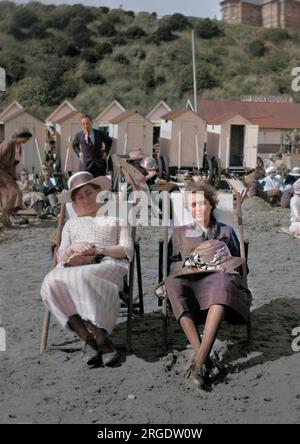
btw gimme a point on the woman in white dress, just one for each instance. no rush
(295, 210)
(82, 291)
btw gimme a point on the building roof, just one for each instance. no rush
(219, 120)
(63, 111)
(264, 114)
(173, 115)
(11, 110)
(154, 113)
(114, 105)
(124, 115)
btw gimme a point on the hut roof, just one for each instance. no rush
(113, 104)
(153, 113)
(64, 111)
(124, 115)
(264, 114)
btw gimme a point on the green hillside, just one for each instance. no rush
(94, 55)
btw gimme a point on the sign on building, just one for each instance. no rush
(267, 99)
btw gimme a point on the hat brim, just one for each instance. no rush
(229, 267)
(294, 175)
(102, 181)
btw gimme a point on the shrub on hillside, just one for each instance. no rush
(207, 29)
(148, 77)
(123, 60)
(135, 32)
(103, 9)
(107, 29)
(207, 78)
(79, 34)
(25, 23)
(14, 65)
(90, 55)
(276, 35)
(93, 78)
(119, 40)
(162, 35)
(104, 48)
(257, 48)
(137, 53)
(178, 22)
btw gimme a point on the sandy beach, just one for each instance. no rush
(149, 385)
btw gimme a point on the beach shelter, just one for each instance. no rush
(110, 112)
(66, 121)
(233, 139)
(130, 131)
(155, 118)
(14, 116)
(183, 137)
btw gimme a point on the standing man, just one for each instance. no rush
(92, 146)
(10, 156)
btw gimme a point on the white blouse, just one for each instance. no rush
(101, 230)
(295, 209)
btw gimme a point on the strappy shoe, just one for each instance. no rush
(198, 375)
(109, 358)
(91, 354)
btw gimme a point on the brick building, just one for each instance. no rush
(266, 13)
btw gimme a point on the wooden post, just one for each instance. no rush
(239, 201)
(67, 155)
(38, 151)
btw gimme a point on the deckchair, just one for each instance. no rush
(126, 294)
(165, 258)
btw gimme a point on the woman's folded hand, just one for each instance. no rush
(77, 260)
(82, 248)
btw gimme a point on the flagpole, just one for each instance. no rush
(194, 71)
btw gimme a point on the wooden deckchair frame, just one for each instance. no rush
(240, 197)
(129, 293)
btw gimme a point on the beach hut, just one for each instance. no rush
(66, 121)
(233, 140)
(155, 118)
(113, 110)
(15, 116)
(183, 137)
(274, 119)
(130, 131)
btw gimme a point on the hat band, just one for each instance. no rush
(198, 262)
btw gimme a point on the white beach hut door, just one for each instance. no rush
(250, 146)
(136, 133)
(191, 151)
(30, 159)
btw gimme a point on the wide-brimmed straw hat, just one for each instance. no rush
(296, 187)
(136, 155)
(295, 172)
(81, 179)
(209, 257)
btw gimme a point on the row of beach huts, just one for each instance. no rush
(235, 132)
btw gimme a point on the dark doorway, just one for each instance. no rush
(104, 129)
(156, 134)
(237, 135)
(1, 132)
